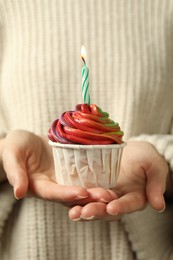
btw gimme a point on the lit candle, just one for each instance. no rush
(85, 78)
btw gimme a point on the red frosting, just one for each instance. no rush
(86, 125)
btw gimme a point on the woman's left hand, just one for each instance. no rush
(142, 180)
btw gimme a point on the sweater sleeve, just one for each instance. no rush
(2, 173)
(152, 222)
(162, 143)
(2, 122)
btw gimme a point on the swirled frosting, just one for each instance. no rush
(87, 125)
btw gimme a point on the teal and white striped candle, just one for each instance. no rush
(85, 78)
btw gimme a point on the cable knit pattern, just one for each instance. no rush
(153, 231)
(130, 56)
(6, 204)
(46, 233)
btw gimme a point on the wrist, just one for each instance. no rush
(169, 186)
(2, 172)
(2, 142)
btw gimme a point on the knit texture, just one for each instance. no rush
(41, 230)
(7, 201)
(151, 233)
(163, 144)
(130, 57)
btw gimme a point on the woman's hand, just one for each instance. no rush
(28, 163)
(142, 180)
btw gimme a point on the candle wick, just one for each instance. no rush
(83, 60)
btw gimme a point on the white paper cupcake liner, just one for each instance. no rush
(87, 165)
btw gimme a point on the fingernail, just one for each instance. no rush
(16, 197)
(88, 218)
(113, 194)
(112, 213)
(163, 207)
(76, 219)
(81, 197)
(103, 200)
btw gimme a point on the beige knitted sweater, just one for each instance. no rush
(130, 56)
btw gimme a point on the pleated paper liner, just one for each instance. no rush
(87, 165)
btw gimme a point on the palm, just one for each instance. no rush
(142, 179)
(42, 181)
(40, 167)
(132, 180)
(31, 171)
(132, 183)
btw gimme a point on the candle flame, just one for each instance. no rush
(83, 53)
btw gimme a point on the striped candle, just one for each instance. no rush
(85, 78)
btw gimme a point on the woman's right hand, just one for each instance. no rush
(28, 162)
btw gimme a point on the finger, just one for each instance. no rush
(128, 203)
(95, 195)
(113, 194)
(156, 185)
(98, 194)
(101, 194)
(93, 210)
(14, 166)
(90, 212)
(49, 190)
(96, 211)
(75, 213)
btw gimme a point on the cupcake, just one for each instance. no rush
(87, 147)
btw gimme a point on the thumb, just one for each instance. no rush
(14, 166)
(156, 185)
